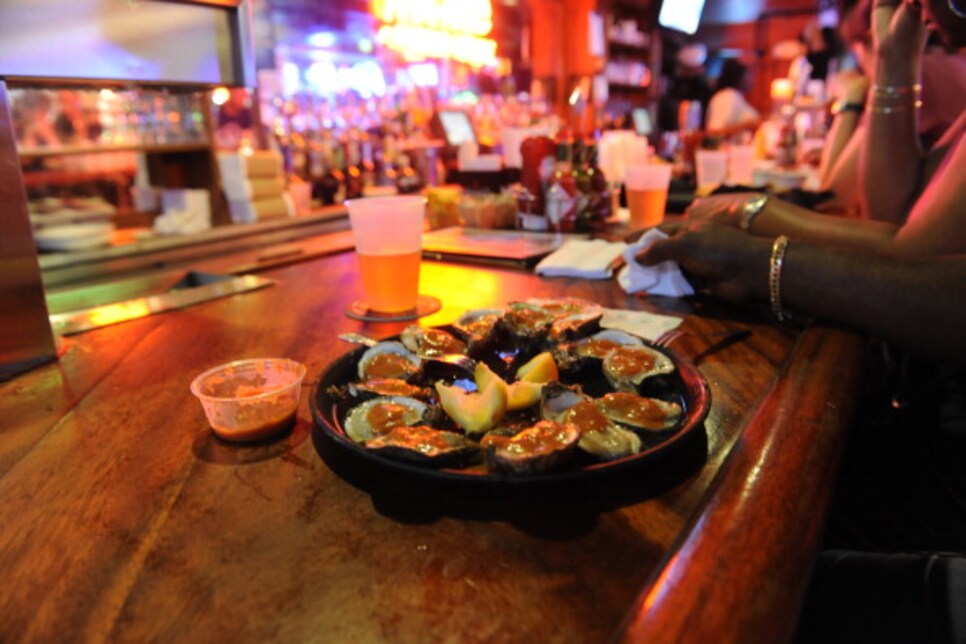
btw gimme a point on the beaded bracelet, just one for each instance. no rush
(885, 91)
(887, 99)
(775, 277)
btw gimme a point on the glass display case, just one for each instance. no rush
(95, 94)
(103, 154)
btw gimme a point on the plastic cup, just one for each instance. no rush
(741, 165)
(711, 169)
(388, 234)
(647, 186)
(250, 400)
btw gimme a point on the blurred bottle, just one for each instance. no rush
(561, 193)
(597, 205)
(352, 168)
(408, 180)
(538, 156)
(787, 142)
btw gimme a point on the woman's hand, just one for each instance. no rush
(898, 36)
(732, 264)
(723, 209)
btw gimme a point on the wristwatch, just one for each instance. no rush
(750, 209)
(843, 106)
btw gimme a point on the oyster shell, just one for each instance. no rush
(557, 398)
(431, 343)
(379, 416)
(388, 360)
(450, 368)
(567, 306)
(425, 445)
(474, 325)
(599, 435)
(611, 443)
(539, 448)
(594, 348)
(527, 321)
(639, 412)
(575, 326)
(356, 392)
(626, 367)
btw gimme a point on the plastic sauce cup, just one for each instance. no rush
(250, 400)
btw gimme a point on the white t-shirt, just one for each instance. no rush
(728, 107)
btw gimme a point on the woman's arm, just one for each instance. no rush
(918, 304)
(779, 217)
(935, 225)
(851, 90)
(842, 177)
(891, 159)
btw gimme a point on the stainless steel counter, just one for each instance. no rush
(245, 247)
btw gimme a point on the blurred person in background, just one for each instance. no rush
(917, 197)
(687, 83)
(943, 71)
(729, 113)
(821, 59)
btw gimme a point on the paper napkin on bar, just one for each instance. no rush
(649, 326)
(661, 279)
(590, 259)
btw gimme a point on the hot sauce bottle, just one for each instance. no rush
(536, 152)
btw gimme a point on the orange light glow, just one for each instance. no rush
(453, 29)
(782, 89)
(474, 17)
(120, 312)
(220, 95)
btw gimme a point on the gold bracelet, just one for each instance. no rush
(775, 277)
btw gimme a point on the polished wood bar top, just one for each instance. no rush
(123, 518)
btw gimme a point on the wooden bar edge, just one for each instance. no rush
(741, 571)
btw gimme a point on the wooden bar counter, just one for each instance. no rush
(123, 518)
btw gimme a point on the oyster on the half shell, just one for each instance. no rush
(593, 348)
(430, 343)
(626, 367)
(638, 412)
(544, 446)
(388, 360)
(425, 445)
(378, 416)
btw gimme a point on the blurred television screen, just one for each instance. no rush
(681, 15)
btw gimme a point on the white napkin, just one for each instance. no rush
(181, 222)
(591, 259)
(649, 326)
(662, 279)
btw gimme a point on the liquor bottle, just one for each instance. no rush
(787, 143)
(408, 180)
(561, 192)
(353, 171)
(538, 155)
(597, 206)
(329, 186)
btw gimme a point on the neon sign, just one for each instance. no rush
(421, 29)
